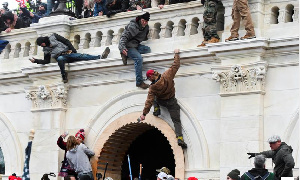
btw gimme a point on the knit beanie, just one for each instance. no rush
(234, 174)
(145, 16)
(41, 40)
(81, 134)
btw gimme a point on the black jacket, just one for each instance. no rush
(47, 57)
(283, 160)
(119, 6)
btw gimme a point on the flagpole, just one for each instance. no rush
(129, 167)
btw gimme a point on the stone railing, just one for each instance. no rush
(176, 25)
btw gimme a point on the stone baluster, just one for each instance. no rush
(187, 30)
(93, 39)
(114, 38)
(282, 14)
(162, 32)
(82, 40)
(175, 31)
(21, 53)
(150, 35)
(296, 14)
(104, 39)
(168, 32)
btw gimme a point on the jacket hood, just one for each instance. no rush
(258, 172)
(74, 149)
(285, 146)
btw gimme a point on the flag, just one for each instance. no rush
(21, 2)
(25, 175)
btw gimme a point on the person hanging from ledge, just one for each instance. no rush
(135, 32)
(240, 9)
(62, 50)
(209, 28)
(163, 89)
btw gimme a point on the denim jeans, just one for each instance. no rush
(135, 55)
(87, 175)
(69, 58)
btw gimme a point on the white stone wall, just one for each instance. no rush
(223, 118)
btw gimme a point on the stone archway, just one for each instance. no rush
(11, 146)
(128, 124)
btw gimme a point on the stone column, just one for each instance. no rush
(242, 82)
(48, 108)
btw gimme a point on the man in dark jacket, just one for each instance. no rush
(116, 6)
(163, 89)
(259, 172)
(281, 155)
(100, 8)
(135, 32)
(33, 17)
(62, 50)
(12, 21)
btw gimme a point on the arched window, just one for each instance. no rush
(169, 29)
(181, 27)
(2, 163)
(76, 41)
(98, 39)
(274, 15)
(87, 41)
(110, 36)
(194, 26)
(157, 30)
(289, 13)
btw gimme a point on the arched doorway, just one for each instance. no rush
(145, 145)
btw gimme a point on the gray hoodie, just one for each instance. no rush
(78, 158)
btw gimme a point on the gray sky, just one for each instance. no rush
(13, 4)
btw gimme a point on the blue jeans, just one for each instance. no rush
(135, 55)
(69, 58)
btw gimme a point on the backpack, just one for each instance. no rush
(267, 176)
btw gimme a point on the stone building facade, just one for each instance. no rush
(233, 95)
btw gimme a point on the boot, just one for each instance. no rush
(248, 37)
(105, 53)
(156, 111)
(181, 142)
(143, 85)
(213, 40)
(231, 39)
(65, 77)
(124, 59)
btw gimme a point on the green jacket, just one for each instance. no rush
(283, 160)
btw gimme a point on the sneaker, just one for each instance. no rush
(248, 37)
(124, 59)
(231, 39)
(181, 142)
(156, 111)
(65, 77)
(143, 85)
(213, 40)
(105, 53)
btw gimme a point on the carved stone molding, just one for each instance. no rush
(48, 98)
(239, 79)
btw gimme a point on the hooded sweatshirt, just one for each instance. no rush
(164, 87)
(283, 160)
(78, 158)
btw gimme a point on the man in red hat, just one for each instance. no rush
(162, 88)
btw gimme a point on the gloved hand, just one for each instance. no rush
(251, 155)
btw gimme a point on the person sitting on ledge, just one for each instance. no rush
(62, 50)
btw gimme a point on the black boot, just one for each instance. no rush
(65, 77)
(105, 53)
(181, 142)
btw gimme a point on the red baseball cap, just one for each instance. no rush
(149, 73)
